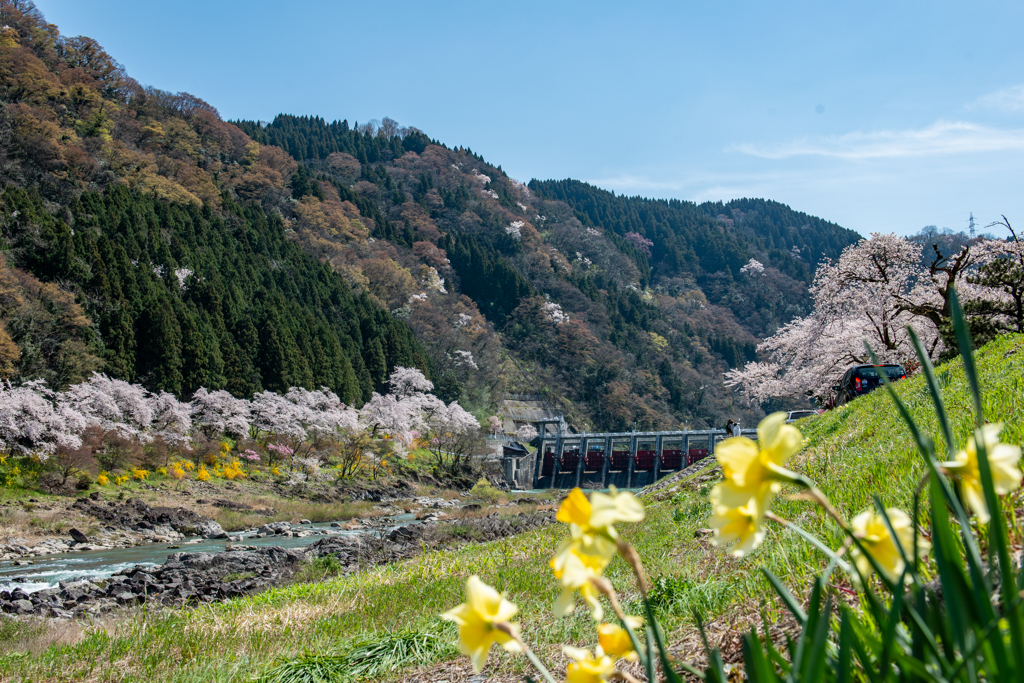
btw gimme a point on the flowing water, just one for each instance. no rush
(48, 570)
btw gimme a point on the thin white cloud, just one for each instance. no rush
(1008, 99)
(942, 137)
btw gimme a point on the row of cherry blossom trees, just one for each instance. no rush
(37, 421)
(877, 290)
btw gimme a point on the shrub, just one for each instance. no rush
(320, 568)
(84, 482)
(483, 490)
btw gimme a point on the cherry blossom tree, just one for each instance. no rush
(273, 415)
(384, 413)
(406, 381)
(113, 405)
(172, 419)
(874, 292)
(452, 434)
(218, 412)
(36, 421)
(641, 243)
(752, 267)
(526, 433)
(494, 425)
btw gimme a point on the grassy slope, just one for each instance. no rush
(851, 453)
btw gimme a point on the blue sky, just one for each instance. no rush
(881, 116)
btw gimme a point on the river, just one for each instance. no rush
(48, 570)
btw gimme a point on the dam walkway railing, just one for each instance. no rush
(603, 459)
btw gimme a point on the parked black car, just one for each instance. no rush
(861, 379)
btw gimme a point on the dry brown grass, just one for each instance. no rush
(33, 523)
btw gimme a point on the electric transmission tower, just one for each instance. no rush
(971, 225)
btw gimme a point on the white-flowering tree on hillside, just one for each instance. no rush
(876, 290)
(172, 419)
(1002, 272)
(452, 434)
(526, 433)
(273, 415)
(113, 405)
(407, 381)
(218, 412)
(36, 421)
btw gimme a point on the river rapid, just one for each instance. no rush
(49, 570)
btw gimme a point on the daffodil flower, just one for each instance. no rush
(752, 475)
(484, 607)
(597, 515)
(615, 641)
(737, 516)
(574, 571)
(1002, 460)
(588, 668)
(871, 529)
(749, 465)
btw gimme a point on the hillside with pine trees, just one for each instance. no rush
(178, 250)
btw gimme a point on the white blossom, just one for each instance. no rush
(113, 404)
(526, 433)
(182, 274)
(172, 419)
(554, 312)
(465, 358)
(876, 289)
(405, 382)
(432, 280)
(515, 228)
(753, 267)
(36, 421)
(218, 412)
(272, 413)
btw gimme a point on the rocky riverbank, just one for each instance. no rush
(202, 578)
(121, 524)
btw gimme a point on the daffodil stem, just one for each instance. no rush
(537, 664)
(625, 676)
(812, 494)
(630, 555)
(810, 539)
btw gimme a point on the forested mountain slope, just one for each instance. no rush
(250, 255)
(713, 241)
(140, 206)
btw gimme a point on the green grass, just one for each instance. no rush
(852, 453)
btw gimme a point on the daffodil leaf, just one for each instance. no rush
(787, 597)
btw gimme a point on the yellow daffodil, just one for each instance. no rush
(870, 528)
(484, 607)
(574, 571)
(749, 465)
(737, 516)
(597, 515)
(752, 472)
(615, 642)
(1002, 460)
(588, 668)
